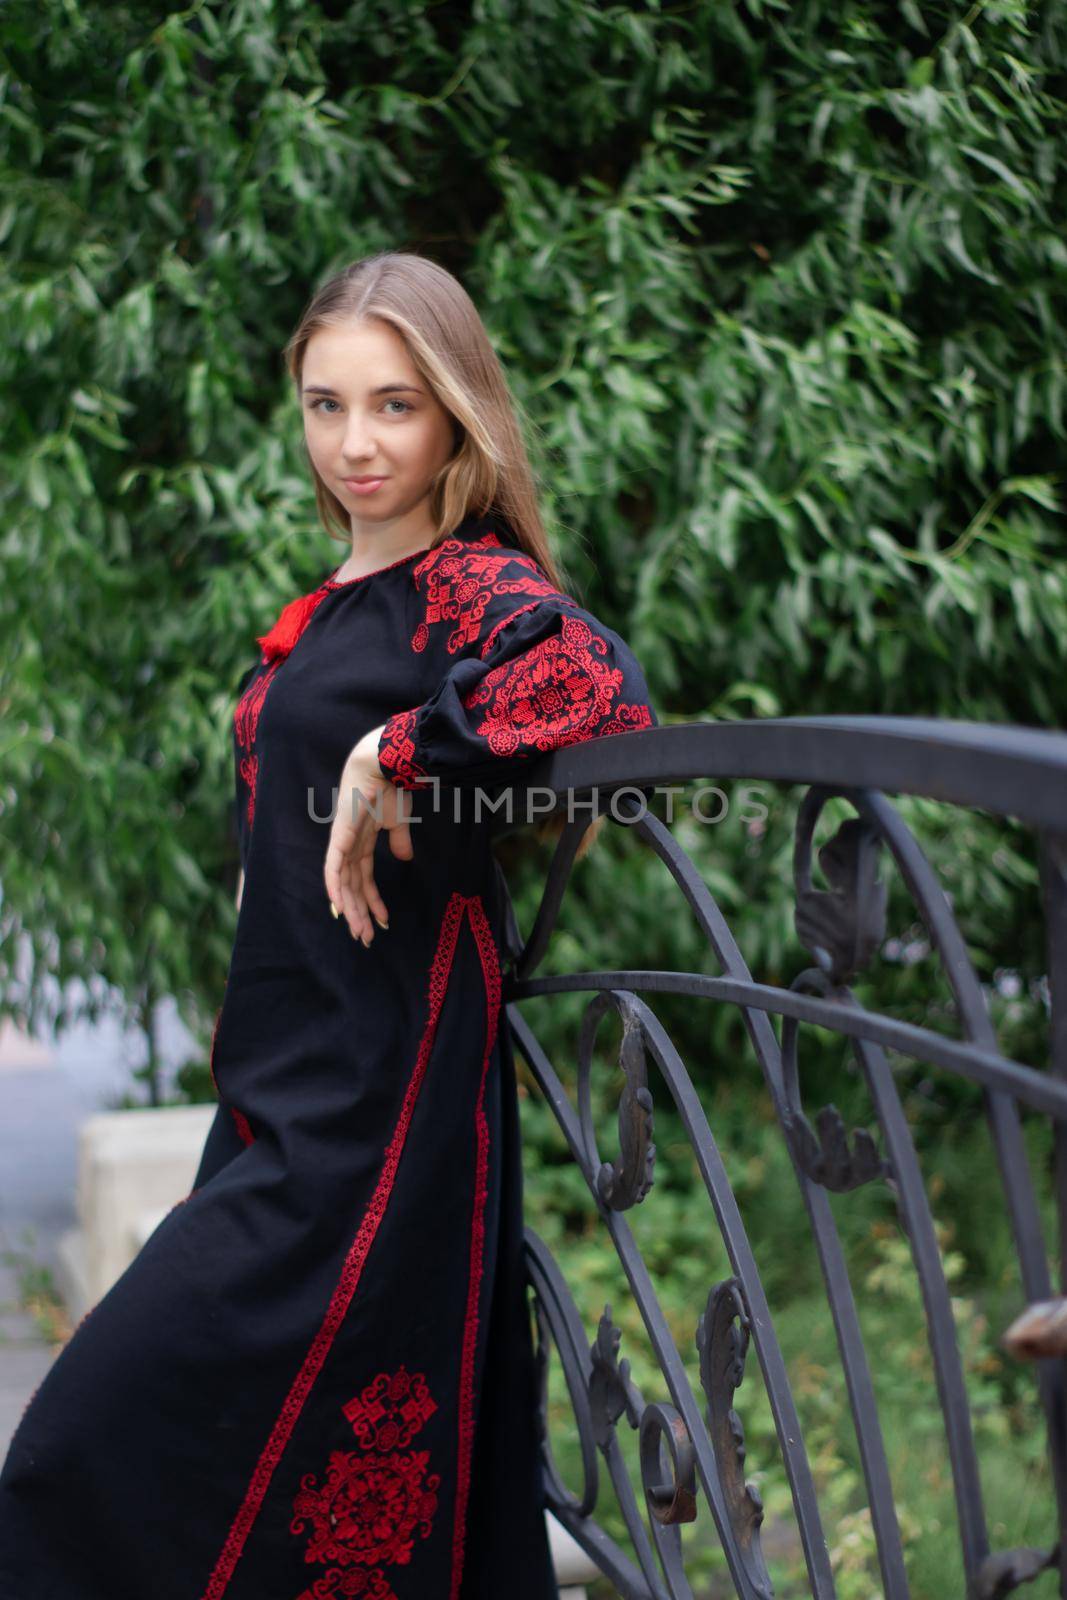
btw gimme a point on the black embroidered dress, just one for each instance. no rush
(316, 1379)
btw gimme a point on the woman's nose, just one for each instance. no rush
(358, 441)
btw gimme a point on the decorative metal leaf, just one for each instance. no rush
(825, 1157)
(625, 1182)
(611, 1392)
(722, 1347)
(843, 926)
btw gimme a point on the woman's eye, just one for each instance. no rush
(326, 401)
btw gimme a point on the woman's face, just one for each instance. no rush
(368, 414)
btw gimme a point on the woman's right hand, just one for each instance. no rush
(367, 802)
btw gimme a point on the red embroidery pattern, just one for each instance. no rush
(246, 714)
(245, 723)
(249, 769)
(460, 578)
(487, 952)
(351, 1272)
(335, 1584)
(559, 692)
(390, 1411)
(370, 1507)
(396, 751)
(275, 644)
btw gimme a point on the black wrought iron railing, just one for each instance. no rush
(691, 1437)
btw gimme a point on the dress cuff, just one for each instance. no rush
(398, 753)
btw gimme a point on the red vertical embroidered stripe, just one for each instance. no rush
(491, 970)
(356, 1258)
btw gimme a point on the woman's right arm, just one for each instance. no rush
(548, 674)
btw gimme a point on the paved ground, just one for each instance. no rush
(46, 1092)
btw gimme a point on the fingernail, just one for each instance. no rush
(380, 923)
(334, 909)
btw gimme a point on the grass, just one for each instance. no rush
(37, 1293)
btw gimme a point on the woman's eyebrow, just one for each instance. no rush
(384, 388)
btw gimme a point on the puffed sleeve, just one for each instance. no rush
(551, 674)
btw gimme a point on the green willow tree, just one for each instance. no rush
(781, 290)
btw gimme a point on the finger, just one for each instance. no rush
(343, 833)
(338, 878)
(400, 841)
(353, 823)
(397, 820)
(362, 862)
(355, 901)
(332, 866)
(370, 889)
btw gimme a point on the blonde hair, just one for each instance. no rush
(446, 339)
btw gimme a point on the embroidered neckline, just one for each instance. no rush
(480, 528)
(347, 583)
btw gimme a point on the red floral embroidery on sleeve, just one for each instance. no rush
(396, 751)
(558, 692)
(374, 1502)
(461, 577)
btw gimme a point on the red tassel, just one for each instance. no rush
(292, 620)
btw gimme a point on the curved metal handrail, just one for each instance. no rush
(1009, 770)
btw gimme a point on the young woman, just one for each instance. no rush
(316, 1379)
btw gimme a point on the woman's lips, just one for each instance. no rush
(362, 485)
